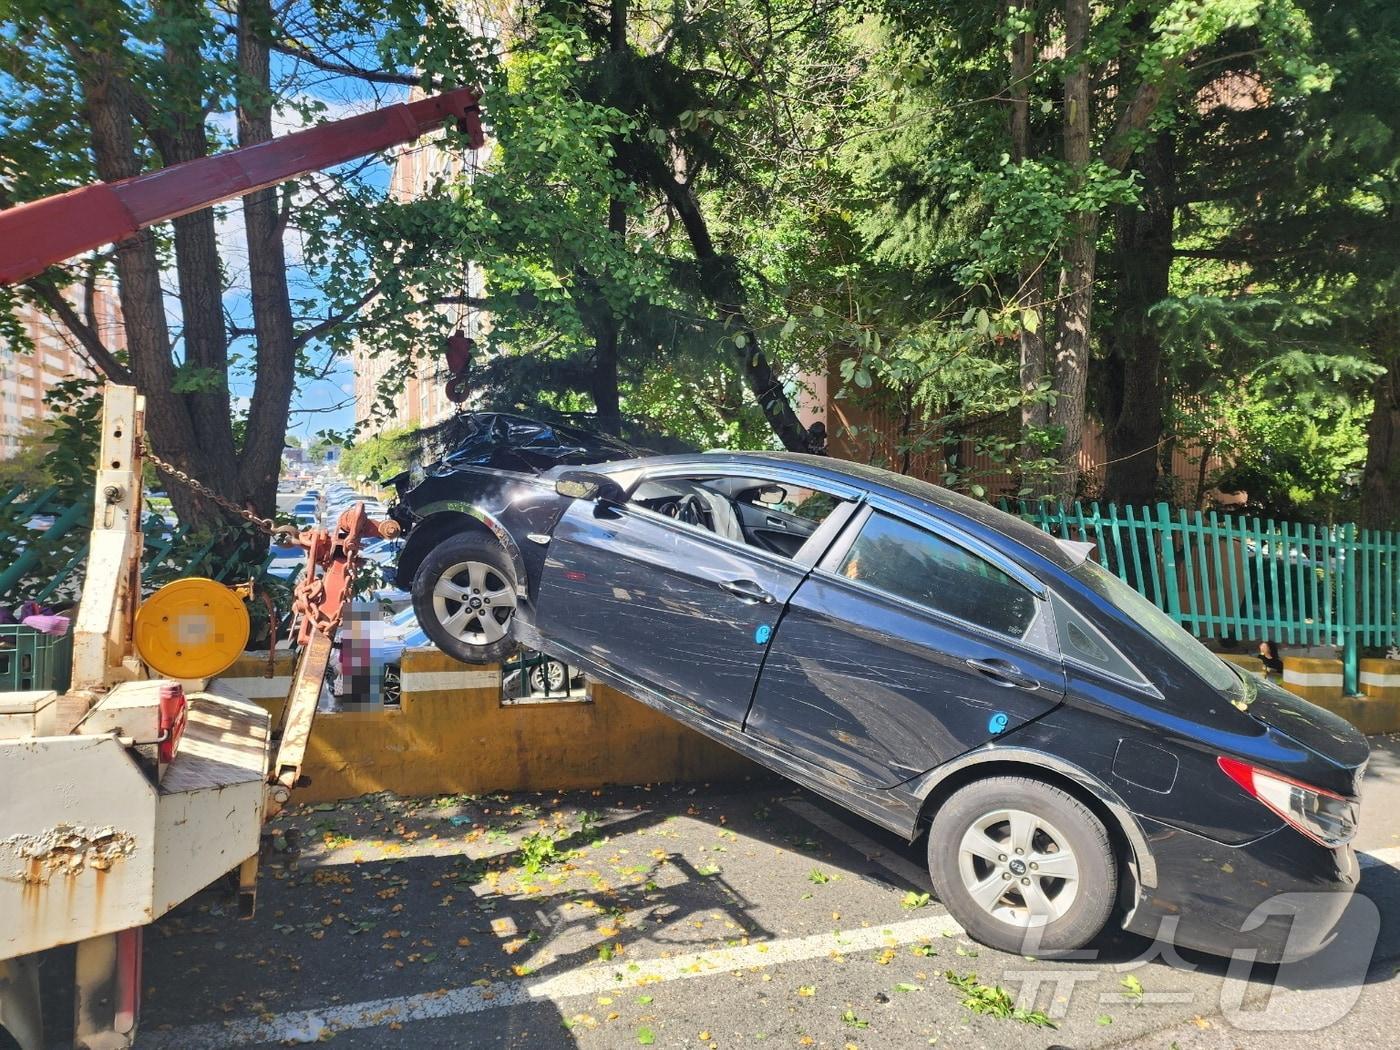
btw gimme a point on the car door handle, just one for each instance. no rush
(777, 523)
(1003, 673)
(747, 590)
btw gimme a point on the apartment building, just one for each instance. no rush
(421, 400)
(27, 378)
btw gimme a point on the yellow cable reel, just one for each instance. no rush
(192, 628)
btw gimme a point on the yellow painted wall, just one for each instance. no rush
(1380, 679)
(1313, 678)
(1320, 681)
(451, 734)
(1249, 663)
(454, 736)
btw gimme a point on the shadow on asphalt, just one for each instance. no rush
(666, 891)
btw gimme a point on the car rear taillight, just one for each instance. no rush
(174, 709)
(1326, 818)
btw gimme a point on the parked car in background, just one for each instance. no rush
(286, 561)
(382, 552)
(931, 664)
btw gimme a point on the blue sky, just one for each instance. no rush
(324, 403)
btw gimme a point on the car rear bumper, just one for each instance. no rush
(1278, 897)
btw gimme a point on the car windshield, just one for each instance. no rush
(1216, 672)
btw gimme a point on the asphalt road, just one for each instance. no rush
(694, 916)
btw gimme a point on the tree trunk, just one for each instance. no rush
(177, 127)
(1380, 479)
(261, 458)
(607, 400)
(1076, 284)
(722, 286)
(108, 104)
(1133, 392)
(1035, 412)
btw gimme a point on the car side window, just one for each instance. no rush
(912, 563)
(1081, 641)
(774, 516)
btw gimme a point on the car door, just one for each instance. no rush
(902, 650)
(682, 608)
(772, 526)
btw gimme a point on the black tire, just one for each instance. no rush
(461, 632)
(1057, 924)
(549, 677)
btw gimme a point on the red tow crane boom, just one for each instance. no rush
(36, 235)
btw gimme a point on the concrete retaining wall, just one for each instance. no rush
(1380, 679)
(451, 734)
(1376, 710)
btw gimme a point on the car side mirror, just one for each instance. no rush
(585, 484)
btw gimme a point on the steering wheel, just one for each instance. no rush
(691, 509)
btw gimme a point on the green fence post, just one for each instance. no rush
(1169, 582)
(1351, 636)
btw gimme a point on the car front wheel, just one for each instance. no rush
(1023, 866)
(464, 598)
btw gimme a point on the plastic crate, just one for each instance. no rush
(31, 659)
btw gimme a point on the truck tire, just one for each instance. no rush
(464, 598)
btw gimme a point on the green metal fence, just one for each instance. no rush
(44, 544)
(1229, 577)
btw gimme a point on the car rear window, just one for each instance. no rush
(1175, 638)
(911, 563)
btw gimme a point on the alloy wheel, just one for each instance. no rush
(1018, 867)
(549, 677)
(474, 602)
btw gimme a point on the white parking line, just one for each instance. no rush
(310, 1025)
(590, 980)
(872, 851)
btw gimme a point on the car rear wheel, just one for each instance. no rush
(1023, 866)
(464, 598)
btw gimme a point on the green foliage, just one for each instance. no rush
(60, 449)
(539, 850)
(1295, 464)
(866, 203)
(380, 457)
(994, 1001)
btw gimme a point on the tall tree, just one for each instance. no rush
(106, 89)
(1286, 229)
(1056, 102)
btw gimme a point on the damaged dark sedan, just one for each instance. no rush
(932, 664)
(454, 541)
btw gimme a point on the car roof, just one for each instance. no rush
(974, 515)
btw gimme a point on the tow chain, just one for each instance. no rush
(318, 597)
(265, 525)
